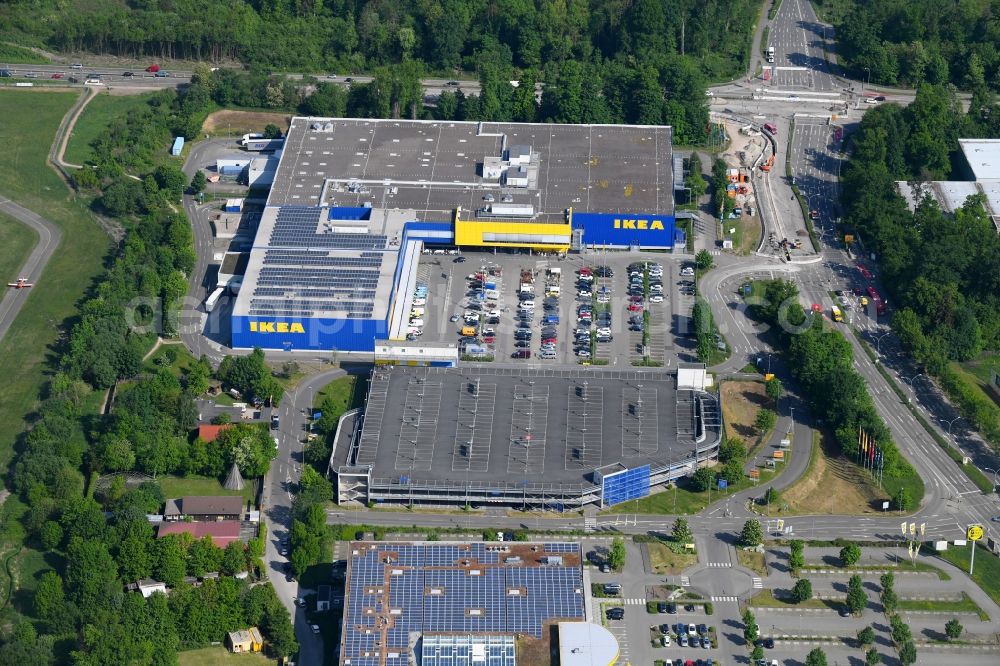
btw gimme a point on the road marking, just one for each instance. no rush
(717, 599)
(719, 564)
(685, 581)
(758, 584)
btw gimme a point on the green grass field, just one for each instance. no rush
(179, 486)
(341, 390)
(966, 605)
(30, 122)
(219, 656)
(11, 53)
(16, 240)
(986, 572)
(95, 120)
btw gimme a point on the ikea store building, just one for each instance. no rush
(354, 201)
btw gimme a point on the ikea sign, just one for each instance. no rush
(640, 225)
(275, 327)
(625, 229)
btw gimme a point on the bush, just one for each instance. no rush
(802, 591)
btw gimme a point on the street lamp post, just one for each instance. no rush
(909, 380)
(868, 75)
(878, 342)
(951, 422)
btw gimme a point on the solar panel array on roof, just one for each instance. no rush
(308, 268)
(396, 591)
(449, 650)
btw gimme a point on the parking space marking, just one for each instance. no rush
(474, 436)
(640, 433)
(527, 428)
(584, 441)
(375, 408)
(419, 427)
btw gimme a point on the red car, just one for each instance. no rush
(816, 307)
(546, 341)
(584, 271)
(153, 68)
(57, 75)
(489, 339)
(634, 307)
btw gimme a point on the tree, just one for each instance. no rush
(272, 131)
(171, 560)
(802, 590)
(703, 260)
(752, 534)
(901, 500)
(953, 628)
(682, 532)
(872, 657)
(866, 636)
(702, 479)
(816, 657)
(198, 182)
(732, 449)
(850, 555)
(757, 653)
(774, 388)
(766, 419)
(234, 558)
(908, 653)
(616, 556)
(796, 557)
(889, 600)
(750, 629)
(856, 597)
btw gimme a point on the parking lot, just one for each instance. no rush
(607, 309)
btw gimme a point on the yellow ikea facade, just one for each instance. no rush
(499, 232)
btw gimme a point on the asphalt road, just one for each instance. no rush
(48, 240)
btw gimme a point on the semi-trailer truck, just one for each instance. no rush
(213, 299)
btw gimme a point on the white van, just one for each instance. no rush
(416, 322)
(492, 295)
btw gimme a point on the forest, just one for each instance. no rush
(942, 271)
(348, 36)
(909, 42)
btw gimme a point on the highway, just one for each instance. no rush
(48, 240)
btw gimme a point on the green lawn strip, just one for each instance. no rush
(753, 561)
(766, 599)
(983, 367)
(30, 122)
(985, 573)
(813, 567)
(180, 486)
(966, 605)
(94, 122)
(971, 471)
(17, 240)
(347, 392)
(663, 560)
(678, 500)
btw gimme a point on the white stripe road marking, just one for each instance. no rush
(758, 583)
(719, 564)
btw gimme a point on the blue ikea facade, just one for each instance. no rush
(307, 333)
(645, 230)
(628, 484)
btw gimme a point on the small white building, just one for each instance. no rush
(148, 587)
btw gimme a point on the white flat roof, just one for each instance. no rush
(983, 156)
(586, 644)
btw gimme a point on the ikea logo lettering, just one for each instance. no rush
(641, 225)
(275, 327)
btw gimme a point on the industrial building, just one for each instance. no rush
(461, 604)
(353, 202)
(980, 165)
(527, 438)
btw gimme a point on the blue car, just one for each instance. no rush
(551, 319)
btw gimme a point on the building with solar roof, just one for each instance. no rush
(354, 201)
(457, 604)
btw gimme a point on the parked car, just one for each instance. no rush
(616, 613)
(521, 353)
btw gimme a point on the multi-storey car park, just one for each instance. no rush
(534, 438)
(353, 202)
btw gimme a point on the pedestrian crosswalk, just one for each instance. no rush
(685, 581)
(633, 602)
(590, 523)
(718, 599)
(719, 564)
(758, 583)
